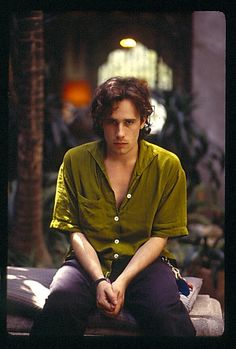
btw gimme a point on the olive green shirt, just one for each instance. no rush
(155, 204)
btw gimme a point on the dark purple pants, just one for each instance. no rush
(152, 298)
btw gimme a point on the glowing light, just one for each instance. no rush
(77, 92)
(128, 43)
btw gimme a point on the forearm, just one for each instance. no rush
(144, 256)
(86, 255)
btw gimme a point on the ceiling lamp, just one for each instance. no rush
(128, 43)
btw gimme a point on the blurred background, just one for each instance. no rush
(57, 60)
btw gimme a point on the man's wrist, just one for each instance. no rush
(100, 280)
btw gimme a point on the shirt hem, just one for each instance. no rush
(175, 232)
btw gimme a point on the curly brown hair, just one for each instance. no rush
(115, 90)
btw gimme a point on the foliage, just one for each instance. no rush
(204, 246)
(66, 126)
(20, 260)
(57, 134)
(182, 135)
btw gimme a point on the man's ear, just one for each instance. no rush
(143, 121)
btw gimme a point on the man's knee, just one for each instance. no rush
(163, 318)
(61, 301)
(64, 314)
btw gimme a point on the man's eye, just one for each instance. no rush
(129, 122)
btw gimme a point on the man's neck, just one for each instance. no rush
(124, 159)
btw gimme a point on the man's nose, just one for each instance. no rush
(120, 131)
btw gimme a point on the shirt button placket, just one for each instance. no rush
(116, 256)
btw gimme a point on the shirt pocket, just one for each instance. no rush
(91, 213)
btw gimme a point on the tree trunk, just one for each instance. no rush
(27, 238)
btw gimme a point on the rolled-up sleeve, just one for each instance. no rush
(65, 212)
(171, 217)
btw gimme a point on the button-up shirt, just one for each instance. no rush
(155, 203)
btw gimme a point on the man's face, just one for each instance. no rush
(121, 128)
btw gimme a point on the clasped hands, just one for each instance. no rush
(110, 297)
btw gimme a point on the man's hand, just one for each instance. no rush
(145, 255)
(106, 297)
(119, 288)
(111, 297)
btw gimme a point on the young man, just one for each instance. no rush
(120, 199)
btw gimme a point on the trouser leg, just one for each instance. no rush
(71, 299)
(153, 298)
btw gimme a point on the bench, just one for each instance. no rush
(27, 289)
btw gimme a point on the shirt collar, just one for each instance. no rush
(147, 152)
(97, 152)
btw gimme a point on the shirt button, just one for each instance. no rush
(116, 218)
(128, 196)
(116, 255)
(117, 241)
